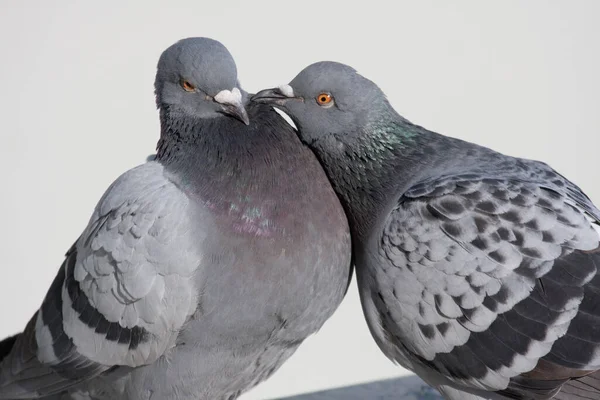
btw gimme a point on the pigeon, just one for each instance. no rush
(200, 272)
(478, 271)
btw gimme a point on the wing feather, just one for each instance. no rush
(487, 278)
(121, 295)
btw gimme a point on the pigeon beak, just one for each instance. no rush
(279, 95)
(237, 111)
(231, 104)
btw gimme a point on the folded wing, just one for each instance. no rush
(121, 295)
(493, 284)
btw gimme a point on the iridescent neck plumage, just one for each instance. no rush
(190, 145)
(249, 173)
(377, 164)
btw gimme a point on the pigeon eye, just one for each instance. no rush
(188, 87)
(325, 100)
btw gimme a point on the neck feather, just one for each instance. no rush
(222, 152)
(372, 170)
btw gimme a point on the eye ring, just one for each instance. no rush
(324, 99)
(187, 86)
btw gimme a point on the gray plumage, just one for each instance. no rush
(476, 270)
(201, 271)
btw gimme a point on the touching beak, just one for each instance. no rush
(279, 95)
(237, 111)
(231, 104)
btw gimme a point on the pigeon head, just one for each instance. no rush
(327, 100)
(360, 140)
(197, 77)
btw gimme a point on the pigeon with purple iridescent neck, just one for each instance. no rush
(201, 271)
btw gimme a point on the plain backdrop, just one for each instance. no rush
(77, 109)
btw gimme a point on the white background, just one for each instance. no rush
(77, 109)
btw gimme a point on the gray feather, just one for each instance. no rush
(203, 270)
(477, 270)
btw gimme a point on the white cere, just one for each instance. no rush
(286, 90)
(233, 97)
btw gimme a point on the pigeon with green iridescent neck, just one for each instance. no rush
(201, 271)
(478, 271)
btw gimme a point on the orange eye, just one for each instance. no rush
(188, 87)
(324, 99)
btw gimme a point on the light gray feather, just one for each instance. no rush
(134, 263)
